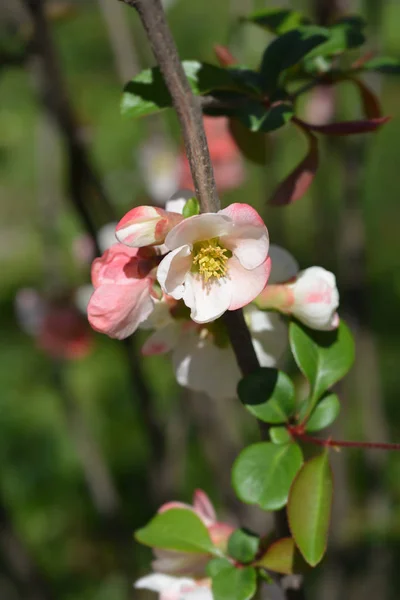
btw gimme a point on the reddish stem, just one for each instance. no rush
(298, 433)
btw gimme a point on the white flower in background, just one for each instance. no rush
(310, 295)
(202, 357)
(217, 261)
(160, 169)
(176, 588)
(106, 236)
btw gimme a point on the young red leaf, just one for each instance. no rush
(349, 127)
(370, 102)
(224, 56)
(298, 181)
(309, 508)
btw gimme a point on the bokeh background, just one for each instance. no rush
(93, 438)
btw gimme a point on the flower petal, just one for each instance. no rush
(173, 269)
(198, 228)
(157, 582)
(246, 285)
(284, 265)
(204, 507)
(161, 341)
(269, 335)
(117, 310)
(207, 301)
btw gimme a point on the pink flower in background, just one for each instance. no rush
(225, 156)
(123, 295)
(181, 563)
(59, 329)
(218, 261)
(176, 588)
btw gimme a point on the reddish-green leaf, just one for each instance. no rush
(309, 508)
(279, 557)
(349, 127)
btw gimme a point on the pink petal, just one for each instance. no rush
(198, 228)
(145, 225)
(172, 271)
(203, 506)
(246, 285)
(117, 310)
(207, 301)
(249, 240)
(174, 504)
(110, 267)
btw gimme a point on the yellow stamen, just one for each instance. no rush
(210, 259)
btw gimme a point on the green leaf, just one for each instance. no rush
(191, 208)
(288, 50)
(251, 144)
(231, 583)
(279, 435)
(216, 565)
(344, 34)
(324, 414)
(256, 117)
(309, 508)
(277, 20)
(268, 394)
(243, 545)
(280, 557)
(382, 64)
(262, 473)
(147, 92)
(324, 357)
(176, 529)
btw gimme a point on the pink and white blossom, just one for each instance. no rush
(146, 226)
(217, 261)
(176, 588)
(316, 299)
(123, 296)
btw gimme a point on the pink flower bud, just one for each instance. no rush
(316, 299)
(146, 226)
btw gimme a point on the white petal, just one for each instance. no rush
(284, 265)
(173, 269)
(178, 200)
(157, 582)
(198, 228)
(249, 240)
(269, 334)
(161, 341)
(202, 366)
(207, 301)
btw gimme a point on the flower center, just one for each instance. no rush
(210, 259)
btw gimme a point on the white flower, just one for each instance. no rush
(316, 299)
(159, 167)
(218, 261)
(176, 588)
(204, 364)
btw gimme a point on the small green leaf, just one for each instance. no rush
(382, 64)
(288, 50)
(268, 394)
(147, 92)
(231, 583)
(344, 34)
(263, 473)
(176, 529)
(251, 144)
(243, 545)
(277, 20)
(256, 117)
(324, 357)
(191, 208)
(216, 565)
(279, 435)
(324, 414)
(279, 557)
(309, 508)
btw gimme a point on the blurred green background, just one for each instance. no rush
(80, 465)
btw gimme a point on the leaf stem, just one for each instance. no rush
(297, 432)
